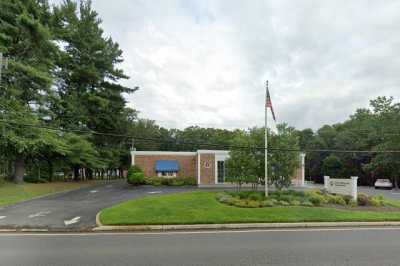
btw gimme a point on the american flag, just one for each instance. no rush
(269, 104)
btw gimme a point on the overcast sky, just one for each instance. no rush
(206, 62)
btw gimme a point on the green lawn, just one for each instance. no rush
(202, 207)
(11, 193)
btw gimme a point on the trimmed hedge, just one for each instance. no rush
(171, 181)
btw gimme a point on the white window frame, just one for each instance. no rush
(166, 174)
(219, 158)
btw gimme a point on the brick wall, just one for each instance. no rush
(296, 178)
(207, 174)
(187, 164)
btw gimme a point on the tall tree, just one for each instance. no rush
(386, 114)
(247, 164)
(26, 41)
(89, 95)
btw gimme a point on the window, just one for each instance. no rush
(221, 171)
(166, 174)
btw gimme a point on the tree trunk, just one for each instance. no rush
(76, 173)
(89, 172)
(19, 171)
(51, 170)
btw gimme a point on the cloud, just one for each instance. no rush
(206, 62)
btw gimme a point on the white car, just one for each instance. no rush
(383, 183)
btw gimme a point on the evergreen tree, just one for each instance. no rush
(89, 95)
(26, 41)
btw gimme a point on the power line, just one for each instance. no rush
(364, 131)
(182, 142)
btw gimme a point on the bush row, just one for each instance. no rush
(256, 199)
(136, 177)
(171, 181)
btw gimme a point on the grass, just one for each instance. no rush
(202, 208)
(11, 193)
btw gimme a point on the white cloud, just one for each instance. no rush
(206, 62)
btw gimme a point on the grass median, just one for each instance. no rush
(203, 208)
(11, 193)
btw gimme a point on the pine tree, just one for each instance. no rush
(26, 41)
(89, 94)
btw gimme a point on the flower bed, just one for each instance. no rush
(256, 199)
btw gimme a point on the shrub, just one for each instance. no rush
(363, 199)
(340, 200)
(268, 203)
(377, 201)
(283, 203)
(274, 201)
(154, 181)
(190, 181)
(317, 199)
(225, 198)
(241, 203)
(307, 203)
(256, 196)
(253, 204)
(167, 181)
(173, 181)
(335, 199)
(178, 181)
(323, 191)
(353, 203)
(135, 176)
(286, 198)
(242, 194)
(295, 203)
(347, 199)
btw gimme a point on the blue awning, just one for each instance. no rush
(167, 166)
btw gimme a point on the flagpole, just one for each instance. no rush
(266, 140)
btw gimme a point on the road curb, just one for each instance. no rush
(98, 222)
(172, 227)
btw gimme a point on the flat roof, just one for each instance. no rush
(181, 153)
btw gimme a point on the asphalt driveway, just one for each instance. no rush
(75, 209)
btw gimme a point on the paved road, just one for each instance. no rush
(74, 209)
(304, 247)
(390, 194)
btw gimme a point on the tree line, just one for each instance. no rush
(376, 128)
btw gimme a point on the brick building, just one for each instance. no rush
(207, 166)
